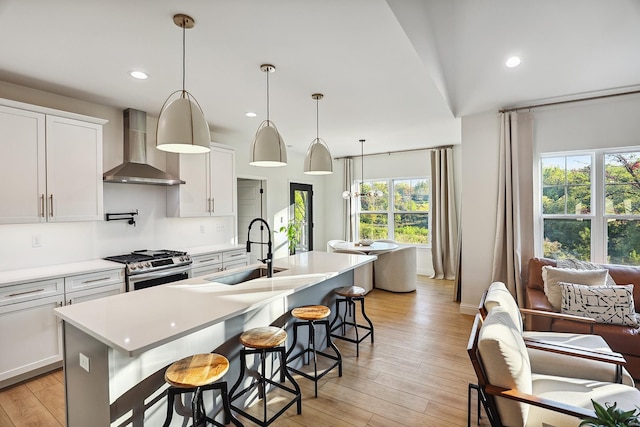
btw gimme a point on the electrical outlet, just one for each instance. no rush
(36, 241)
(220, 227)
(202, 228)
(85, 362)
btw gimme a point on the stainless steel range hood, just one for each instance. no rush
(135, 169)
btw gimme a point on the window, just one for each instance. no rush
(589, 212)
(400, 212)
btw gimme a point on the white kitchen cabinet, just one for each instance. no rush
(210, 183)
(215, 262)
(51, 164)
(31, 333)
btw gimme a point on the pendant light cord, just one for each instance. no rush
(317, 118)
(267, 73)
(184, 30)
(361, 165)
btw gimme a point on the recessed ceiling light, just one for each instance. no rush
(250, 114)
(513, 62)
(140, 75)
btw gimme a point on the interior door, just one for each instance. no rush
(251, 194)
(301, 211)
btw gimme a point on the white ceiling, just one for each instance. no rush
(396, 73)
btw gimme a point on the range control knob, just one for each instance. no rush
(181, 259)
(147, 265)
(133, 267)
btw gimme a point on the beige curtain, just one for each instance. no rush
(514, 224)
(444, 224)
(348, 207)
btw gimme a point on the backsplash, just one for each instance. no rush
(81, 241)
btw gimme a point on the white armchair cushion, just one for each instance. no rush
(576, 392)
(552, 277)
(605, 304)
(506, 362)
(499, 295)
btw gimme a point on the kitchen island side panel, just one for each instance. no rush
(88, 390)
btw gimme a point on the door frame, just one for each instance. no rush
(298, 186)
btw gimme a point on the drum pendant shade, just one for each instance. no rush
(182, 128)
(268, 148)
(318, 159)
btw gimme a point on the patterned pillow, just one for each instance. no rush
(605, 304)
(552, 276)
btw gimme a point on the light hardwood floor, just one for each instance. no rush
(415, 374)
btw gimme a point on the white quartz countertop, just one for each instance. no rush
(11, 277)
(135, 322)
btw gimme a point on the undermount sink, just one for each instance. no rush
(243, 275)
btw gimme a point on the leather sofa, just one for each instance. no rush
(623, 339)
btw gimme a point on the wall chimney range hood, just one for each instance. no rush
(135, 169)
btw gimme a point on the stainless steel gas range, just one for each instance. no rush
(147, 268)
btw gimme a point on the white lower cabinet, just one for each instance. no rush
(215, 262)
(30, 333)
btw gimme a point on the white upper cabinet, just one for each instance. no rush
(74, 170)
(22, 160)
(210, 183)
(50, 166)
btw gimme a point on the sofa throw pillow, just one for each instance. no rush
(604, 304)
(583, 265)
(552, 276)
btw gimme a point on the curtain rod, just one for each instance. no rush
(395, 152)
(569, 101)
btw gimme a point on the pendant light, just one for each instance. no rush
(182, 127)
(268, 149)
(318, 158)
(372, 193)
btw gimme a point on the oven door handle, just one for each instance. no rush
(157, 274)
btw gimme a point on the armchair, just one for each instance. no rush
(515, 396)
(599, 363)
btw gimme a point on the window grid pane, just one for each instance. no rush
(401, 213)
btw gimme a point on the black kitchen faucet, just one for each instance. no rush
(269, 259)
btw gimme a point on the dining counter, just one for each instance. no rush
(116, 348)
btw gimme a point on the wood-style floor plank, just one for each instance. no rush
(415, 374)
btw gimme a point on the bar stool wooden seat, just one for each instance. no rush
(262, 341)
(310, 316)
(196, 374)
(351, 294)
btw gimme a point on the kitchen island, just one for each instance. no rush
(117, 348)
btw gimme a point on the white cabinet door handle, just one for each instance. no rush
(17, 294)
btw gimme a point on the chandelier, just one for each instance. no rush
(361, 193)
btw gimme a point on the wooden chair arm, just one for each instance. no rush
(556, 315)
(549, 404)
(563, 316)
(609, 357)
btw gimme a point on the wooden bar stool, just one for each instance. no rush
(351, 294)
(196, 374)
(311, 316)
(262, 341)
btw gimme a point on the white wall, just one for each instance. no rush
(608, 123)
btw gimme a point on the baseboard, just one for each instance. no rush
(29, 375)
(468, 309)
